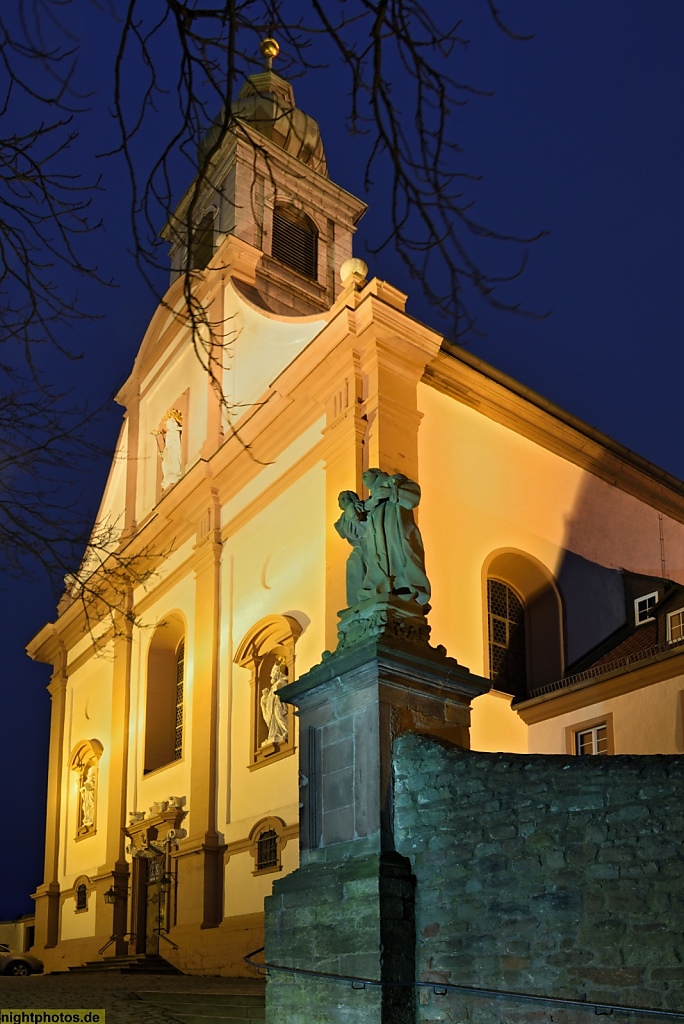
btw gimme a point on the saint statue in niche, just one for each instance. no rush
(169, 439)
(273, 710)
(87, 792)
(387, 554)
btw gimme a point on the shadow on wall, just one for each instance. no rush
(543, 621)
(526, 644)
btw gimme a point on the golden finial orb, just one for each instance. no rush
(269, 49)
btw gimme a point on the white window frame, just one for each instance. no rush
(593, 731)
(670, 617)
(638, 601)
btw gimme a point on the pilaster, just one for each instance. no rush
(372, 417)
(47, 895)
(115, 858)
(344, 465)
(131, 397)
(202, 897)
(216, 354)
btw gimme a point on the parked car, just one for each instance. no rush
(13, 962)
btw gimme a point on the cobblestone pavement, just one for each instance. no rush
(117, 994)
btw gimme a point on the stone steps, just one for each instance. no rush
(142, 964)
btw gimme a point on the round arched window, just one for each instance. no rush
(506, 618)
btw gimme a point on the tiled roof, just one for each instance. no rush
(643, 638)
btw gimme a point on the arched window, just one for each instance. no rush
(267, 840)
(524, 624)
(82, 896)
(295, 240)
(165, 695)
(267, 850)
(180, 682)
(506, 621)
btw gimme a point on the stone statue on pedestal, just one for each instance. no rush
(87, 792)
(386, 577)
(170, 450)
(273, 710)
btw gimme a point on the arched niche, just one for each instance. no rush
(543, 611)
(165, 694)
(84, 761)
(268, 644)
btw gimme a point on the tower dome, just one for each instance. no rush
(266, 103)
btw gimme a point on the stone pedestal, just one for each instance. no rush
(348, 909)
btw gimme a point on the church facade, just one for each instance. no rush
(555, 559)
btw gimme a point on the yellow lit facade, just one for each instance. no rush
(170, 810)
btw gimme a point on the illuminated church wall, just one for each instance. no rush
(247, 574)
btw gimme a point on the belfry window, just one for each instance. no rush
(295, 240)
(506, 619)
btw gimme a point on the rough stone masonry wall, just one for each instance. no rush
(560, 876)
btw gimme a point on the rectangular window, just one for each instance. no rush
(592, 741)
(592, 737)
(675, 626)
(643, 607)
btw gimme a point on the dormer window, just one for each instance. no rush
(675, 626)
(643, 608)
(295, 240)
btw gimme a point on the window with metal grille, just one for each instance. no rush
(506, 619)
(592, 741)
(267, 850)
(180, 676)
(202, 243)
(295, 240)
(81, 896)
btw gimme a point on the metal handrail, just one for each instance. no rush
(441, 988)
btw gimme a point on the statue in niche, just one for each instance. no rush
(273, 710)
(169, 445)
(387, 556)
(87, 793)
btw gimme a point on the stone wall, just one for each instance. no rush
(559, 876)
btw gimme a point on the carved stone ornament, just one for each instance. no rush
(153, 834)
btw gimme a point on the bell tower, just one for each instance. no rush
(264, 179)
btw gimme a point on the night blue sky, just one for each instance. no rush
(583, 138)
